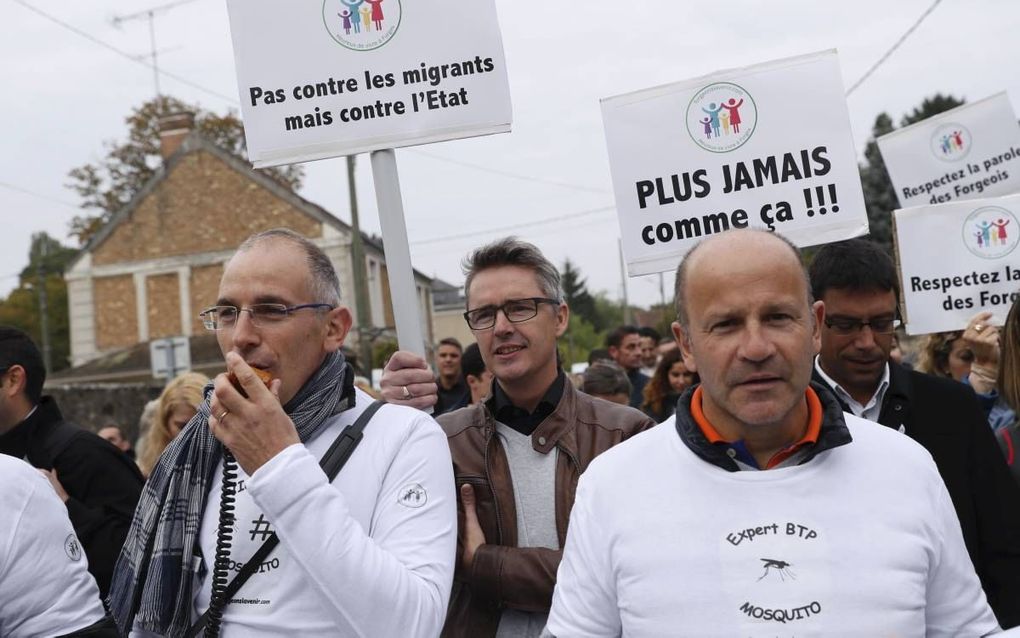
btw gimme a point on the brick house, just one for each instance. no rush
(149, 271)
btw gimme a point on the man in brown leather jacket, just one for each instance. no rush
(517, 456)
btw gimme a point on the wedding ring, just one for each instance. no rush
(223, 416)
(978, 327)
(407, 393)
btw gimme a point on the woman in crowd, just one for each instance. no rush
(1009, 387)
(178, 403)
(670, 380)
(970, 356)
(945, 354)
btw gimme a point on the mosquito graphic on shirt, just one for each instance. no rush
(780, 566)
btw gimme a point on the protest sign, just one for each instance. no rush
(957, 259)
(767, 146)
(323, 78)
(970, 152)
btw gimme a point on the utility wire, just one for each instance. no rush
(234, 101)
(895, 46)
(39, 195)
(124, 54)
(487, 231)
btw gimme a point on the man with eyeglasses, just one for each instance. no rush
(857, 281)
(368, 554)
(517, 456)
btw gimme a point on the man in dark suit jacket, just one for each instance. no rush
(99, 485)
(857, 283)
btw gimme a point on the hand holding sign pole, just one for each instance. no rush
(398, 257)
(327, 78)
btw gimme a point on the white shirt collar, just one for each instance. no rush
(869, 411)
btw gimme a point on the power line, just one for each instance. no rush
(895, 46)
(583, 213)
(39, 195)
(123, 54)
(496, 171)
(234, 101)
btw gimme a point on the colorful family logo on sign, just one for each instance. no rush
(991, 232)
(721, 117)
(361, 25)
(951, 142)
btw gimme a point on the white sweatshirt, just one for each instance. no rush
(370, 555)
(45, 586)
(860, 541)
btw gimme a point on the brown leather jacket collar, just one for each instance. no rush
(503, 575)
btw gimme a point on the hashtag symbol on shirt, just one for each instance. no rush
(261, 528)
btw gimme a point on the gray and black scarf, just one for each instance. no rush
(152, 582)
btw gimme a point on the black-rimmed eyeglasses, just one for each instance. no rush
(515, 311)
(225, 317)
(847, 326)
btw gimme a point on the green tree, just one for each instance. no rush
(609, 313)
(382, 350)
(47, 259)
(666, 314)
(580, 339)
(575, 290)
(109, 184)
(879, 195)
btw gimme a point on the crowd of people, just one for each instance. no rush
(770, 466)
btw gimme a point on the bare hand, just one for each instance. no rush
(51, 475)
(983, 340)
(407, 380)
(472, 535)
(254, 429)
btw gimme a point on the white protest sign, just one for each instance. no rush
(323, 78)
(767, 146)
(970, 152)
(958, 259)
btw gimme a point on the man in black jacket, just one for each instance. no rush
(858, 285)
(96, 481)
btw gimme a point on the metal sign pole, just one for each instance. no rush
(171, 361)
(403, 292)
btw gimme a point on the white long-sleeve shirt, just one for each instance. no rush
(45, 586)
(370, 555)
(860, 541)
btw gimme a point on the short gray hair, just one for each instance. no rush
(325, 284)
(605, 379)
(511, 251)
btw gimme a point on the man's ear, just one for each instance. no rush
(338, 325)
(15, 381)
(683, 340)
(818, 316)
(562, 319)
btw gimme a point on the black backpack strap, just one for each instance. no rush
(332, 461)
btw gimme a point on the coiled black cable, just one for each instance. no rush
(224, 540)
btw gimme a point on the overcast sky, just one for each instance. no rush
(548, 180)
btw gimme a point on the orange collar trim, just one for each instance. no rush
(814, 426)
